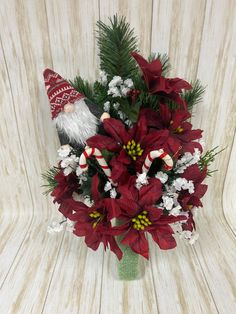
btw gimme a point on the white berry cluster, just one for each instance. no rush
(119, 87)
(190, 237)
(187, 160)
(103, 77)
(183, 184)
(56, 226)
(108, 187)
(141, 180)
(69, 161)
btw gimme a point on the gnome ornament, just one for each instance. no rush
(75, 117)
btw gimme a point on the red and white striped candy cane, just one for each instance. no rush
(157, 154)
(100, 159)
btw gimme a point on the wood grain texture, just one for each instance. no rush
(72, 26)
(177, 27)
(137, 12)
(41, 273)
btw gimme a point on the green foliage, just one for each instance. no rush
(194, 95)
(83, 87)
(100, 94)
(49, 178)
(116, 41)
(207, 159)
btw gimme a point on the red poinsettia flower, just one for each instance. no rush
(187, 200)
(139, 215)
(189, 224)
(132, 145)
(94, 223)
(66, 185)
(158, 84)
(181, 138)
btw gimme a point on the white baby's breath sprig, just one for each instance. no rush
(141, 180)
(107, 106)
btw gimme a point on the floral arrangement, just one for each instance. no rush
(130, 163)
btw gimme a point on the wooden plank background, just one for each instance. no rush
(40, 273)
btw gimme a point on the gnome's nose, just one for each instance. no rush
(69, 107)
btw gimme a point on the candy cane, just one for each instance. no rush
(157, 154)
(100, 159)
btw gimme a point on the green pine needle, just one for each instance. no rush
(49, 177)
(100, 94)
(116, 42)
(208, 158)
(83, 87)
(194, 95)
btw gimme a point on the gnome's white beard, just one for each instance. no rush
(78, 125)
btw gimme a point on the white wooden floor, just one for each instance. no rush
(43, 273)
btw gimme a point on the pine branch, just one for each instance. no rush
(49, 177)
(116, 42)
(194, 95)
(83, 87)
(100, 94)
(208, 158)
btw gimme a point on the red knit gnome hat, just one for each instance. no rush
(59, 91)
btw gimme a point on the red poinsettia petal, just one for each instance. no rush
(176, 98)
(93, 240)
(94, 188)
(178, 84)
(165, 114)
(128, 190)
(159, 85)
(124, 157)
(190, 223)
(112, 207)
(66, 185)
(128, 206)
(151, 117)
(116, 130)
(103, 142)
(69, 206)
(154, 213)
(154, 67)
(140, 129)
(195, 174)
(154, 139)
(149, 194)
(173, 146)
(194, 201)
(200, 190)
(119, 173)
(163, 237)
(81, 229)
(137, 242)
(190, 135)
(190, 147)
(178, 116)
(165, 220)
(115, 248)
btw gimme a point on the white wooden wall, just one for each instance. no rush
(40, 273)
